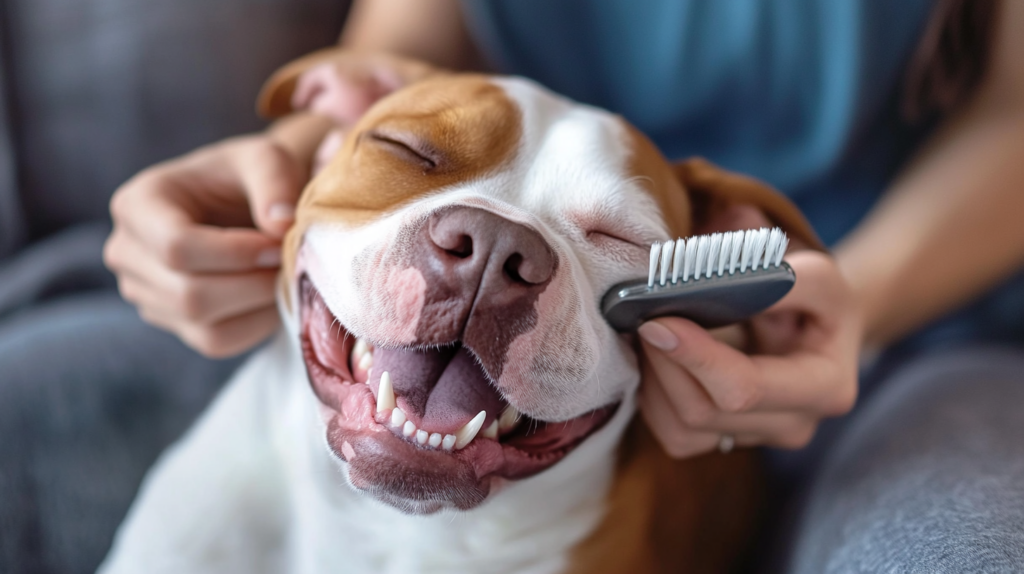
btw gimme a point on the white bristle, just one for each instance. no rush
(690, 257)
(781, 249)
(760, 240)
(723, 252)
(655, 252)
(677, 259)
(708, 255)
(737, 248)
(666, 258)
(715, 247)
(748, 249)
(773, 244)
(703, 244)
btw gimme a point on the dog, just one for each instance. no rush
(445, 395)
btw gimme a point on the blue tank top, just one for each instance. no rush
(803, 94)
(799, 93)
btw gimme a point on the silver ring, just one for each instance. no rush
(726, 443)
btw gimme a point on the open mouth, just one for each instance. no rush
(424, 428)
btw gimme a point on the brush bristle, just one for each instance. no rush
(716, 254)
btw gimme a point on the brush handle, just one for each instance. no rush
(709, 302)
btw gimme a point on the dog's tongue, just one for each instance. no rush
(442, 388)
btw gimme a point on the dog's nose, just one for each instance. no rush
(489, 251)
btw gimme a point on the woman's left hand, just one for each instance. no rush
(701, 394)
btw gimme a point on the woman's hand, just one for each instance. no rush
(802, 368)
(197, 241)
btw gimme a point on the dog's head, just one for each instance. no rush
(459, 240)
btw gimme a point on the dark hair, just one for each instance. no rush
(951, 58)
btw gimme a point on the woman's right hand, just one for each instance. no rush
(197, 241)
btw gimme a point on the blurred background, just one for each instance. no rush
(91, 92)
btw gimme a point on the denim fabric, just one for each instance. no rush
(927, 477)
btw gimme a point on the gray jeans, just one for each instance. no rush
(89, 396)
(926, 476)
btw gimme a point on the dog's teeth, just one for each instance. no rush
(467, 433)
(385, 394)
(491, 431)
(366, 361)
(397, 417)
(360, 348)
(448, 442)
(435, 439)
(509, 419)
(422, 436)
(409, 429)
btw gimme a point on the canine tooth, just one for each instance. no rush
(491, 431)
(509, 419)
(466, 434)
(385, 393)
(422, 436)
(408, 429)
(435, 439)
(366, 361)
(448, 442)
(397, 417)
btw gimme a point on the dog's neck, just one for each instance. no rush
(529, 525)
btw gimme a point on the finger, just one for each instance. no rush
(201, 298)
(224, 339)
(676, 389)
(740, 383)
(789, 430)
(272, 182)
(675, 438)
(160, 224)
(671, 383)
(819, 290)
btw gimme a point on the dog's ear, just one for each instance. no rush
(721, 200)
(338, 83)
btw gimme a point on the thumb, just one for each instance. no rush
(272, 181)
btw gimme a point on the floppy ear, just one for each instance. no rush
(337, 82)
(725, 201)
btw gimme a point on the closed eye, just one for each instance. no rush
(409, 149)
(599, 236)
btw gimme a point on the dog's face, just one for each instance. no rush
(460, 241)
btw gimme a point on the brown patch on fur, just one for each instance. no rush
(672, 516)
(663, 185)
(430, 135)
(712, 188)
(690, 193)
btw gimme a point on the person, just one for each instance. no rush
(922, 216)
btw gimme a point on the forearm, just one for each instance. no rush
(428, 30)
(950, 227)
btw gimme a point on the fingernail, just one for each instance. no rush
(657, 335)
(269, 258)
(281, 212)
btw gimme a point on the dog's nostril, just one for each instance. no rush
(461, 247)
(512, 266)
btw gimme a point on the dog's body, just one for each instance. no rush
(466, 229)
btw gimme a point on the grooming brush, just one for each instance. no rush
(713, 280)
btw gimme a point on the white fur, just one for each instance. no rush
(252, 487)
